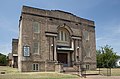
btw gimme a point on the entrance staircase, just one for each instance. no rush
(70, 70)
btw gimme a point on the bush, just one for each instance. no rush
(3, 60)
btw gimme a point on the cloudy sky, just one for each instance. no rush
(105, 13)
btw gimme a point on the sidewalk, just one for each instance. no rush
(101, 77)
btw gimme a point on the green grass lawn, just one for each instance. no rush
(103, 71)
(114, 71)
(13, 73)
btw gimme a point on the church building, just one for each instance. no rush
(50, 40)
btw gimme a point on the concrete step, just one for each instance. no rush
(70, 69)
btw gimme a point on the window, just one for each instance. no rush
(35, 67)
(36, 28)
(86, 35)
(26, 50)
(63, 35)
(88, 52)
(87, 66)
(66, 38)
(36, 47)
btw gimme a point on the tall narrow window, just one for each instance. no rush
(36, 27)
(58, 35)
(62, 35)
(35, 67)
(86, 35)
(88, 52)
(66, 36)
(36, 47)
(26, 50)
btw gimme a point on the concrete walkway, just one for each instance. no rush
(100, 77)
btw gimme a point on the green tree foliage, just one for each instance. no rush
(106, 57)
(3, 59)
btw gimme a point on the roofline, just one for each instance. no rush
(59, 11)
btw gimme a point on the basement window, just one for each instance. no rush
(87, 66)
(35, 67)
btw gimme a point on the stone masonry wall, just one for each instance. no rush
(49, 21)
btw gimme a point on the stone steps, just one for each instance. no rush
(75, 71)
(70, 70)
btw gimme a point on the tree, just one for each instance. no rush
(106, 57)
(3, 59)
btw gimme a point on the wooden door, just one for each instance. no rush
(62, 58)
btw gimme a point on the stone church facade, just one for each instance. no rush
(50, 40)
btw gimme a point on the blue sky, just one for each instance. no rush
(105, 13)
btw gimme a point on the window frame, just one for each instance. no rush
(66, 36)
(88, 54)
(87, 67)
(63, 35)
(34, 48)
(86, 35)
(35, 66)
(26, 55)
(36, 25)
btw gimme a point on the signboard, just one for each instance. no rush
(118, 63)
(26, 50)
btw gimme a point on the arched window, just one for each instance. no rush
(63, 35)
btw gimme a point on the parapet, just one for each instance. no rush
(56, 14)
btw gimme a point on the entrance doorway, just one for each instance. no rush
(62, 58)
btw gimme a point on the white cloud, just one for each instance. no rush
(98, 39)
(109, 35)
